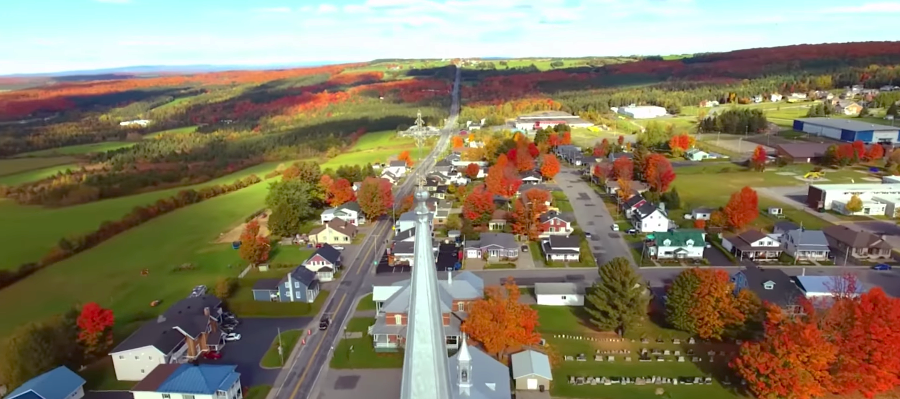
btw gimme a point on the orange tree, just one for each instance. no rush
(340, 192)
(472, 170)
(375, 197)
(457, 142)
(758, 159)
(742, 208)
(623, 168)
(406, 157)
(254, 248)
(702, 302)
(658, 173)
(527, 211)
(500, 323)
(479, 205)
(549, 166)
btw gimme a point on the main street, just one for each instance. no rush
(298, 380)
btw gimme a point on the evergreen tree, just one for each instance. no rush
(619, 299)
(892, 110)
(672, 199)
(680, 299)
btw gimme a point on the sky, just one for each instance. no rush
(38, 36)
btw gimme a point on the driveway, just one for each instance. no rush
(592, 216)
(256, 336)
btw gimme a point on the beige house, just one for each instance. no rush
(531, 371)
(335, 232)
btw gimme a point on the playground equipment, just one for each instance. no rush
(814, 175)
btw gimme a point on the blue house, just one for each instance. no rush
(300, 285)
(59, 383)
(204, 381)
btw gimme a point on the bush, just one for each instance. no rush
(225, 287)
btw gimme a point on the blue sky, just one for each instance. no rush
(54, 35)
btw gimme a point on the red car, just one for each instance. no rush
(212, 355)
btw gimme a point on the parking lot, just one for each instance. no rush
(355, 384)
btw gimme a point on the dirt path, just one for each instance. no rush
(235, 233)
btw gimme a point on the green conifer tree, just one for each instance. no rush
(680, 299)
(619, 299)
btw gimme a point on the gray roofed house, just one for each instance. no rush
(324, 262)
(562, 248)
(407, 235)
(493, 246)
(858, 244)
(612, 186)
(803, 244)
(770, 285)
(531, 177)
(754, 245)
(476, 375)
(802, 152)
(531, 370)
(397, 163)
(299, 285)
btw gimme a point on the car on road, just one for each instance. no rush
(338, 247)
(233, 337)
(524, 248)
(632, 231)
(587, 235)
(212, 355)
(324, 323)
(615, 227)
(198, 291)
(881, 266)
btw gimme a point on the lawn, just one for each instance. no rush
(101, 376)
(292, 254)
(257, 392)
(363, 355)
(555, 320)
(12, 166)
(34, 175)
(379, 140)
(287, 340)
(243, 304)
(562, 202)
(178, 130)
(366, 304)
(78, 149)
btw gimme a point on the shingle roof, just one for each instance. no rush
(303, 275)
(328, 252)
(855, 239)
(404, 248)
(646, 209)
(558, 289)
(266, 284)
(557, 242)
(679, 238)
(634, 200)
(352, 205)
(503, 240)
(804, 150)
(58, 383)
(200, 379)
(546, 216)
(786, 226)
(808, 238)
(186, 314)
(783, 293)
(152, 381)
(531, 362)
(490, 378)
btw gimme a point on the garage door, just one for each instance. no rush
(831, 132)
(532, 383)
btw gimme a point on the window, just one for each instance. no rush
(121, 356)
(461, 306)
(149, 357)
(187, 396)
(298, 295)
(137, 357)
(142, 371)
(564, 297)
(398, 319)
(769, 285)
(287, 284)
(296, 284)
(166, 396)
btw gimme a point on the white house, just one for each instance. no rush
(135, 123)
(678, 244)
(643, 111)
(397, 168)
(349, 212)
(559, 294)
(562, 248)
(190, 381)
(701, 213)
(775, 97)
(531, 177)
(325, 262)
(390, 176)
(649, 218)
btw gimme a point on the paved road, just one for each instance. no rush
(299, 379)
(592, 216)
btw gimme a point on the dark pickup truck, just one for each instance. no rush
(323, 324)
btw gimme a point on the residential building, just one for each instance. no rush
(554, 224)
(299, 285)
(531, 371)
(775, 97)
(783, 227)
(612, 186)
(392, 304)
(631, 204)
(407, 220)
(753, 245)
(562, 248)
(545, 119)
(397, 168)
(802, 152)
(185, 331)
(702, 213)
(408, 235)
(770, 285)
(848, 107)
(336, 231)
(569, 153)
(325, 262)
(135, 123)
(191, 381)
(649, 218)
(390, 176)
(696, 155)
(848, 130)
(877, 198)
(498, 220)
(678, 244)
(404, 252)
(493, 247)
(822, 287)
(531, 177)
(559, 294)
(642, 112)
(802, 244)
(349, 212)
(613, 156)
(59, 383)
(857, 244)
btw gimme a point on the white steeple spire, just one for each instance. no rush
(464, 360)
(425, 373)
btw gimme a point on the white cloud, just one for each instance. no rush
(355, 9)
(327, 8)
(114, 1)
(866, 8)
(274, 10)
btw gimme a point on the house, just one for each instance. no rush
(612, 187)
(493, 246)
(562, 248)
(390, 176)
(325, 262)
(754, 245)
(477, 375)
(135, 123)
(770, 285)
(300, 285)
(408, 235)
(185, 331)
(440, 217)
(802, 244)
(678, 244)
(783, 227)
(696, 155)
(349, 212)
(709, 103)
(498, 220)
(848, 107)
(554, 224)
(191, 381)
(531, 177)
(559, 294)
(757, 99)
(440, 192)
(775, 97)
(531, 371)
(702, 213)
(613, 156)
(397, 168)
(649, 218)
(404, 252)
(456, 293)
(569, 153)
(336, 231)
(856, 244)
(59, 383)
(802, 152)
(631, 204)
(406, 221)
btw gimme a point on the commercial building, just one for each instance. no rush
(848, 130)
(877, 198)
(542, 119)
(643, 111)
(802, 152)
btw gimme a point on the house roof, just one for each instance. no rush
(352, 205)
(489, 377)
(702, 209)
(804, 150)
(808, 238)
(646, 209)
(405, 235)
(636, 185)
(634, 200)
(341, 226)
(159, 375)
(531, 362)
(266, 284)
(303, 275)
(557, 289)
(328, 252)
(502, 240)
(785, 226)
(397, 164)
(744, 241)
(783, 293)
(58, 383)
(825, 284)
(186, 314)
(404, 248)
(549, 215)
(200, 379)
(679, 238)
(855, 239)
(530, 174)
(558, 242)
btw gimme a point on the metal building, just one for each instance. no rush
(848, 130)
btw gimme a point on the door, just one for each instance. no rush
(532, 383)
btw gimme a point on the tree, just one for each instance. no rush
(859, 150)
(714, 307)
(875, 152)
(527, 211)
(625, 191)
(458, 142)
(619, 299)
(680, 300)
(566, 138)
(375, 197)
(524, 160)
(406, 204)
(502, 161)
(500, 323)
(680, 143)
(854, 204)
(304, 171)
(406, 157)
(549, 166)
(254, 248)
(658, 173)
(291, 202)
(718, 219)
(340, 192)
(758, 159)
(621, 140)
(601, 149)
(553, 140)
(623, 168)
(742, 208)
(95, 328)
(533, 150)
(479, 205)
(324, 186)
(672, 199)
(699, 224)
(472, 170)
(225, 287)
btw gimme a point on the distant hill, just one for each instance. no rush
(167, 69)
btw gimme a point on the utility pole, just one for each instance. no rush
(280, 347)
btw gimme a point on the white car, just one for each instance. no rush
(338, 247)
(615, 227)
(233, 337)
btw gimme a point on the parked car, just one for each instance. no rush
(632, 231)
(324, 323)
(882, 266)
(615, 227)
(199, 290)
(587, 235)
(524, 248)
(338, 247)
(228, 328)
(212, 355)
(233, 337)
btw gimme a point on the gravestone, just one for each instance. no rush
(677, 353)
(628, 358)
(681, 359)
(676, 341)
(581, 357)
(666, 352)
(570, 358)
(691, 341)
(611, 359)
(598, 358)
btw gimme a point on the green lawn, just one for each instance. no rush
(78, 149)
(34, 175)
(101, 376)
(495, 266)
(380, 140)
(178, 130)
(561, 201)
(366, 303)
(289, 254)
(12, 166)
(257, 392)
(243, 304)
(363, 355)
(288, 339)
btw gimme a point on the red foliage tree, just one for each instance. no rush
(549, 166)
(502, 160)
(325, 183)
(404, 156)
(875, 152)
(758, 159)
(527, 211)
(620, 140)
(95, 329)
(623, 168)
(340, 192)
(742, 208)
(680, 143)
(406, 204)
(566, 138)
(500, 322)
(859, 149)
(375, 197)
(553, 140)
(513, 155)
(601, 149)
(658, 173)
(846, 154)
(457, 142)
(524, 161)
(699, 224)
(533, 150)
(472, 170)
(510, 182)
(254, 248)
(479, 205)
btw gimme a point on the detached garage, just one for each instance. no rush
(531, 371)
(848, 130)
(559, 294)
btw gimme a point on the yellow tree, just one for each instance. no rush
(500, 323)
(854, 204)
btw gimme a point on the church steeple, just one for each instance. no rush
(425, 372)
(464, 374)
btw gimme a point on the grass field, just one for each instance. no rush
(34, 175)
(179, 130)
(257, 392)
(12, 166)
(381, 140)
(366, 303)
(78, 149)
(363, 355)
(287, 341)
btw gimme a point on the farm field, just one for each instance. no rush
(34, 175)
(179, 130)
(11, 166)
(78, 149)
(381, 140)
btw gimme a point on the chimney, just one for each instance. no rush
(206, 311)
(449, 277)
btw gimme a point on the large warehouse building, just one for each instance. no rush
(643, 112)
(848, 130)
(877, 198)
(542, 119)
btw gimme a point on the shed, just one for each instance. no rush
(531, 370)
(559, 294)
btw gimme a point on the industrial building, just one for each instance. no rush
(848, 130)
(542, 119)
(877, 198)
(642, 112)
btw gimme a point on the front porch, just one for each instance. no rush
(757, 255)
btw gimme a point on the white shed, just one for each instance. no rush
(559, 294)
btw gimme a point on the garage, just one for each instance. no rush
(559, 294)
(531, 371)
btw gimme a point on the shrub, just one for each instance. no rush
(225, 287)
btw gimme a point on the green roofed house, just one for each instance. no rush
(678, 244)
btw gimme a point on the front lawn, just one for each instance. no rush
(258, 392)
(358, 353)
(242, 303)
(492, 266)
(561, 201)
(366, 303)
(288, 339)
(101, 376)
